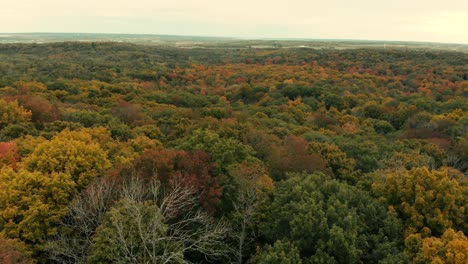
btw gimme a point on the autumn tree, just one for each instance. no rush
(12, 113)
(173, 167)
(13, 251)
(426, 201)
(72, 153)
(451, 248)
(32, 203)
(131, 114)
(8, 154)
(41, 109)
(293, 156)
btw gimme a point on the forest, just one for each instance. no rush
(124, 153)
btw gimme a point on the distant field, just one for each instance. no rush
(218, 42)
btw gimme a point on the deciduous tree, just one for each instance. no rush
(32, 203)
(426, 201)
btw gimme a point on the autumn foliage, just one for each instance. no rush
(232, 153)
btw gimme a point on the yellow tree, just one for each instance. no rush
(451, 248)
(426, 201)
(12, 113)
(73, 153)
(32, 203)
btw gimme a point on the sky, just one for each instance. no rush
(406, 20)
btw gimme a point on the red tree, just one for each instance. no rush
(8, 154)
(180, 168)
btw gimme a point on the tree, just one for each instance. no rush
(73, 153)
(330, 221)
(451, 248)
(32, 203)
(294, 156)
(174, 167)
(426, 201)
(12, 113)
(85, 213)
(152, 227)
(41, 109)
(337, 160)
(458, 156)
(253, 186)
(282, 252)
(8, 154)
(373, 109)
(366, 153)
(131, 114)
(15, 131)
(223, 151)
(195, 171)
(14, 252)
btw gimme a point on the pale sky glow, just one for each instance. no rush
(416, 20)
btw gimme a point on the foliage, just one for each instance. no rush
(426, 201)
(224, 152)
(14, 252)
(310, 155)
(294, 156)
(452, 247)
(32, 203)
(337, 160)
(336, 218)
(72, 153)
(12, 113)
(280, 252)
(174, 167)
(8, 154)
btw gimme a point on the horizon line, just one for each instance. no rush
(240, 37)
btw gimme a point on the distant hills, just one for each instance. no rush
(227, 42)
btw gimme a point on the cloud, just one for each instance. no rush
(429, 20)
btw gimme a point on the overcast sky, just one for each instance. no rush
(418, 20)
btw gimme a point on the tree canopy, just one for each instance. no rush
(260, 154)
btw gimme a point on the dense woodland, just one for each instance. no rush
(123, 153)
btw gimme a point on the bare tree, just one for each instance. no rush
(253, 183)
(453, 160)
(152, 225)
(245, 211)
(140, 223)
(85, 213)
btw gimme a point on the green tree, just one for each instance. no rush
(337, 160)
(282, 252)
(223, 151)
(330, 221)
